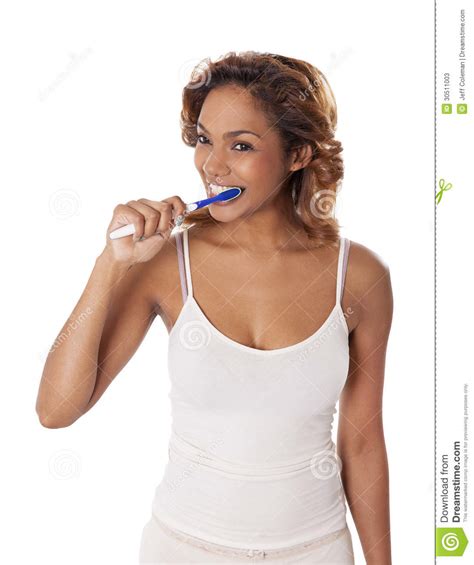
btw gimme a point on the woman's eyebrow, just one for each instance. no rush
(231, 133)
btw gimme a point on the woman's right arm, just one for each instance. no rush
(73, 367)
(110, 319)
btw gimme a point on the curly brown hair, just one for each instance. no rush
(296, 97)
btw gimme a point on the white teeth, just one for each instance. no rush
(217, 189)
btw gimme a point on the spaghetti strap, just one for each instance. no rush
(342, 267)
(187, 262)
(181, 265)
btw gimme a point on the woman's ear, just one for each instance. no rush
(302, 156)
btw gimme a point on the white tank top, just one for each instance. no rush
(251, 457)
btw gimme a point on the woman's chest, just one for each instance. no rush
(269, 308)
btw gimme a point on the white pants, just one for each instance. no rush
(162, 545)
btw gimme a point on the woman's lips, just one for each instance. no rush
(215, 190)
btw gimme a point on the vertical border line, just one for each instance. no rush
(435, 279)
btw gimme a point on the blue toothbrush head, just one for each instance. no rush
(228, 194)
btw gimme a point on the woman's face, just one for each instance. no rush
(227, 156)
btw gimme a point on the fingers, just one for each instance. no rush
(178, 207)
(150, 217)
(125, 214)
(168, 209)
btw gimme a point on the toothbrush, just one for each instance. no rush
(228, 194)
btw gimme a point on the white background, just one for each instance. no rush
(90, 103)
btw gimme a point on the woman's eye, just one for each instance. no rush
(249, 148)
(202, 139)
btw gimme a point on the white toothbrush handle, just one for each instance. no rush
(129, 229)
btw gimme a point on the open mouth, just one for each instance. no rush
(216, 189)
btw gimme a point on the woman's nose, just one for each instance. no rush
(215, 167)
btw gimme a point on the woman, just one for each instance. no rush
(271, 322)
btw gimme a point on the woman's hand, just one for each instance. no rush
(153, 221)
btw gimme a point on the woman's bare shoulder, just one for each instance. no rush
(365, 262)
(368, 281)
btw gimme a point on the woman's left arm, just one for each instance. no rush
(360, 436)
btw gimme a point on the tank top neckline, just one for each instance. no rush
(189, 299)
